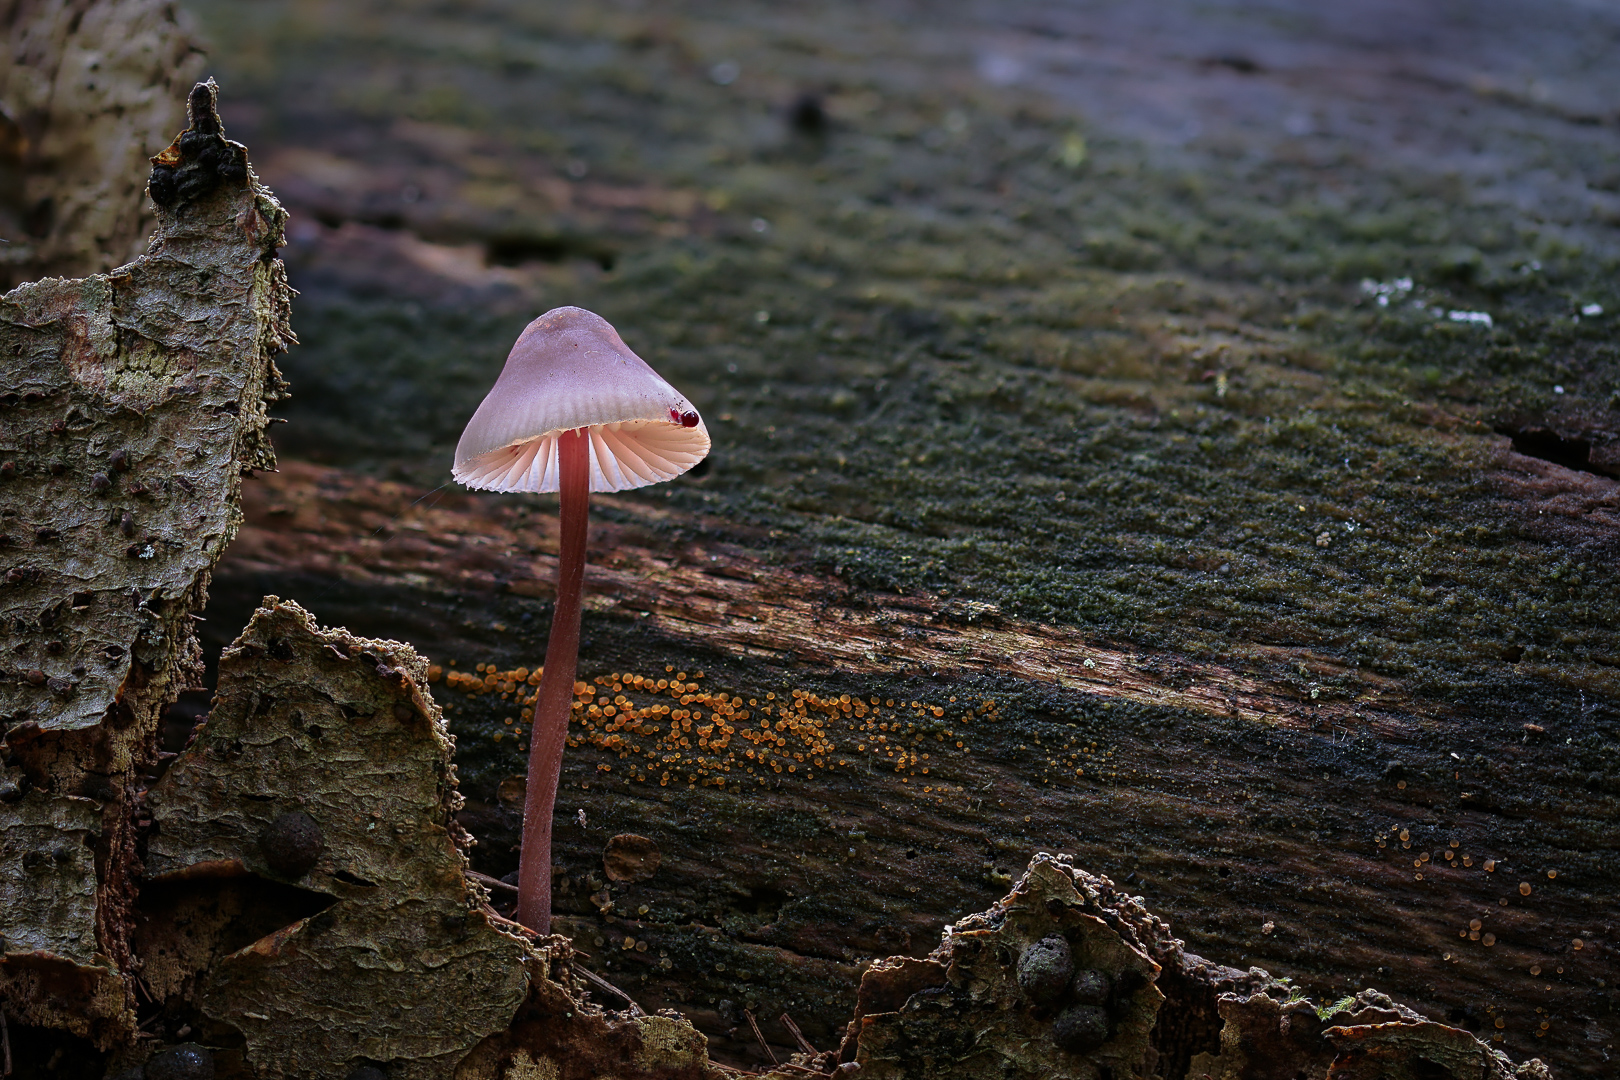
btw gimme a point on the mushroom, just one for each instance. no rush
(573, 411)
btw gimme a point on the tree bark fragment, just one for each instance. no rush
(130, 406)
(322, 730)
(966, 1011)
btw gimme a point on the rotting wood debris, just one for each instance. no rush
(289, 896)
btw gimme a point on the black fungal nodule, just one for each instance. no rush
(1045, 967)
(291, 844)
(1080, 1028)
(1091, 987)
(201, 158)
(188, 1061)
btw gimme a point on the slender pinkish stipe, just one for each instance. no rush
(549, 733)
(573, 411)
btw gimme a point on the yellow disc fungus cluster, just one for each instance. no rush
(672, 729)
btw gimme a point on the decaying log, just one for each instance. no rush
(1283, 836)
(130, 406)
(1136, 396)
(291, 898)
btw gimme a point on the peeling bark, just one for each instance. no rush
(979, 1020)
(132, 404)
(966, 1011)
(336, 731)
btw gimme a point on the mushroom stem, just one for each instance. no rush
(549, 732)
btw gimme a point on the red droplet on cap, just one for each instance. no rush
(689, 419)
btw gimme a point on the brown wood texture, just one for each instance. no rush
(1345, 844)
(727, 597)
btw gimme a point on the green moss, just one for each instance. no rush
(1143, 398)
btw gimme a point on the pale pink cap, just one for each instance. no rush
(570, 369)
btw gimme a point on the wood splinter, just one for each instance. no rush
(763, 1045)
(804, 1044)
(596, 980)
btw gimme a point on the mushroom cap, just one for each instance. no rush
(569, 370)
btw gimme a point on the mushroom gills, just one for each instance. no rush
(624, 455)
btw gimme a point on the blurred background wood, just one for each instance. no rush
(89, 91)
